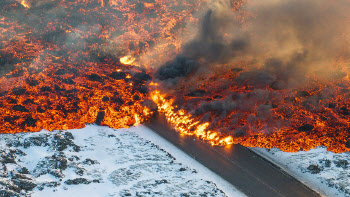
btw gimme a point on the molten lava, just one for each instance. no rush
(186, 124)
(289, 120)
(63, 64)
(127, 60)
(25, 4)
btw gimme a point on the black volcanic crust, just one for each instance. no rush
(179, 67)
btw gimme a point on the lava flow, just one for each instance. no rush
(269, 74)
(185, 124)
(60, 66)
(261, 74)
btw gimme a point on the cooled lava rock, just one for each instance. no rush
(19, 91)
(118, 75)
(302, 94)
(314, 169)
(143, 76)
(306, 127)
(179, 67)
(30, 122)
(100, 117)
(347, 144)
(196, 93)
(95, 77)
(20, 108)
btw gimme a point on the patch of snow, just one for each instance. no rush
(324, 171)
(185, 159)
(100, 161)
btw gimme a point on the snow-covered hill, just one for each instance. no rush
(99, 161)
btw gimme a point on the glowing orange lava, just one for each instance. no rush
(64, 64)
(127, 60)
(25, 4)
(186, 124)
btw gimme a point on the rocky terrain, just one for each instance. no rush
(94, 161)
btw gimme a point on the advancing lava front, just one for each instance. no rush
(272, 74)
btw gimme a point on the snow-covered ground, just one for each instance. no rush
(325, 171)
(100, 161)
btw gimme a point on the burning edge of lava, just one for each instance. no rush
(286, 140)
(61, 69)
(185, 124)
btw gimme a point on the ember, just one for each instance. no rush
(271, 74)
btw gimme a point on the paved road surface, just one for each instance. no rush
(247, 171)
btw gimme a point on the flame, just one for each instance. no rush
(127, 60)
(25, 4)
(153, 84)
(186, 124)
(293, 121)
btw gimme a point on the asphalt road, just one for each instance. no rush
(247, 171)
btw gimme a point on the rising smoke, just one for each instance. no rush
(288, 40)
(284, 46)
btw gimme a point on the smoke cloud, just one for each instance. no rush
(244, 68)
(286, 40)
